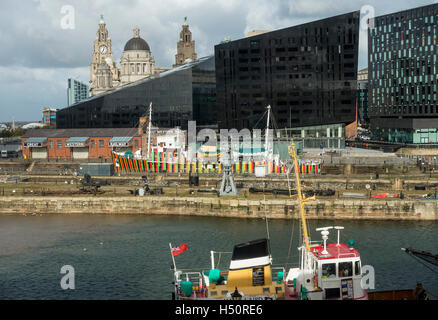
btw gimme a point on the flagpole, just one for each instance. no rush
(173, 258)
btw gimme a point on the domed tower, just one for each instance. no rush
(136, 62)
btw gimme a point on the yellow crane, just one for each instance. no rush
(301, 199)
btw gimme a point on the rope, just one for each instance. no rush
(218, 260)
(293, 224)
(255, 126)
(266, 217)
(428, 267)
(423, 263)
(290, 242)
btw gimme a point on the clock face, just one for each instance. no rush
(103, 49)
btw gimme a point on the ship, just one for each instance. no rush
(326, 271)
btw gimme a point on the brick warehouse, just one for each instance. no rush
(79, 143)
(98, 143)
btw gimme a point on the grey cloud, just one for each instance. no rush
(31, 36)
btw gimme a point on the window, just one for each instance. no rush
(92, 144)
(51, 144)
(101, 143)
(345, 269)
(329, 270)
(136, 144)
(59, 144)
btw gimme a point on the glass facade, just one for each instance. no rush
(76, 91)
(307, 73)
(403, 72)
(179, 95)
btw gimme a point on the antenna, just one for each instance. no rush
(339, 228)
(324, 233)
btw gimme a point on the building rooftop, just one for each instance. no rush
(146, 79)
(92, 132)
(334, 252)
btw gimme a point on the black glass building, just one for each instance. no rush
(403, 76)
(179, 95)
(307, 73)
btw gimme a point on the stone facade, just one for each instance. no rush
(103, 79)
(185, 46)
(136, 62)
(102, 53)
(214, 207)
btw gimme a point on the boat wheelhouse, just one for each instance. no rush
(328, 272)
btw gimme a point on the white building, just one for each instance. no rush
(137, 61)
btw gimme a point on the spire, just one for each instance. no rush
(101, 19)
(185, 21)
(136, 32)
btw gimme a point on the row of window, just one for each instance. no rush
(340, 270)
(400, 18)
(59, 144)
(410, 26)
(418, 52)
(421, 109)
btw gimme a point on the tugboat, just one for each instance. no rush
(326, 272)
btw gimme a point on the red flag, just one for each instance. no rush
(178, 250)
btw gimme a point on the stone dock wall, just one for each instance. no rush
(221, 207)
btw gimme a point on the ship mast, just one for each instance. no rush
(149, 130)
(302, 200)
(267, 134)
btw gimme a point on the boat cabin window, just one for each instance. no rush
(329, 270)
(332, 293)
(357, 271)
(345, 269)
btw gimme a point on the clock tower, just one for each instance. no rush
(185, 46)
(102, 53)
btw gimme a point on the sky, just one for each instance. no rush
(45, 42)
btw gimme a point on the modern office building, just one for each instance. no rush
(185, 93)
(403, 76)
(362, 96)
(76, 91)
(307, 73)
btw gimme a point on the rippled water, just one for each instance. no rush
(127, 257)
